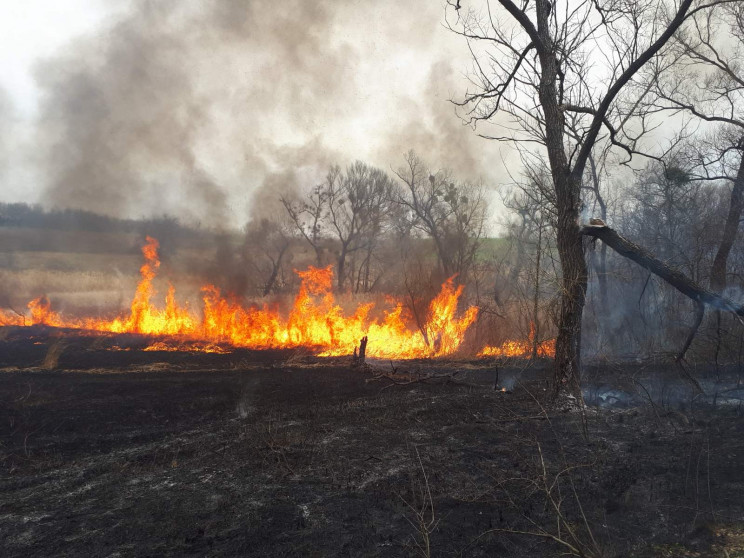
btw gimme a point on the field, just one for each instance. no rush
(132, 453)
(87, 273)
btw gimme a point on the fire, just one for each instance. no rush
(521, 349)
(195, 347)
(316, 320)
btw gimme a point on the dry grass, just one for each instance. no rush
(51, 360)
(88, 284)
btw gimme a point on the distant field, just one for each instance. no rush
(15, 239)
(96, 273)
(491, 247)
(85, 272)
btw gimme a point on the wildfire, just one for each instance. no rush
(521, 349)
(315, 320)
(195, 347)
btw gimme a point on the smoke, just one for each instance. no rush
(122, 119)
(209, 111)
(436, 133)
(11, 140)
(6, 114)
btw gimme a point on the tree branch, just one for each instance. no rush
(674, 277)
(525, 22)
(621, 81)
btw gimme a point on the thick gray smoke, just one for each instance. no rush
(6, 117)
(210, 110)
(437, 134)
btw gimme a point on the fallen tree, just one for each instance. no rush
(673, 276)
(699, 294)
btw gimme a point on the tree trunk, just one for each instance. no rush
(567, 367)
(567, 185)
(444, 259)
(340, 268)
(535, 329)
(736, 206)
(275, 267)
(366, 271)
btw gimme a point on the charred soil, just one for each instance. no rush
(132, 453)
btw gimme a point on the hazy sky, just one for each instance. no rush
(209, 109)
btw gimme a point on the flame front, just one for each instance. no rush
(316, 319)
(521, 349)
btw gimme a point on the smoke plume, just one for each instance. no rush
(209, 111)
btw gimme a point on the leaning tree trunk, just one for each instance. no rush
(601, 267)
(673, 276)
(736, 206)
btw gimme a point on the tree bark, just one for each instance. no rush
(736, 206)
(674, 277)
(601, 267)
(567, 185)
(567, 367)
(275, 267)
(535, 329)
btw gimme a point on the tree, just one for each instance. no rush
(712, 50)
(544, 71)
(266, 245)
(358, 206)
(533, 234)
(307, 212)
(451, 214)
(351, 209)
(708, 83)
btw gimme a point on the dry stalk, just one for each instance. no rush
(576, 540)
(51, 360)
(422, 507)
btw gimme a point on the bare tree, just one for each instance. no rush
(561, 60)
(358, 207)
(534, 233)
(265, 248)
(451, 214)
(307, 213)
(709, 84)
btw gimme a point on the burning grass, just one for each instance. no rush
(315, 320)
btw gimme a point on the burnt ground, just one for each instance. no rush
(133, 453)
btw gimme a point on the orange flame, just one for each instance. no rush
(195, 347)
(315, 320)
(521, 349)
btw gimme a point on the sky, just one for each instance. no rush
(208, 111)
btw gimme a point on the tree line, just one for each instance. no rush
(374, 227)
